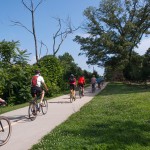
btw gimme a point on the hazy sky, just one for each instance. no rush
(46, 26)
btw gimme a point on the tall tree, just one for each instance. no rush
(7, 52)
(32, 7)
(114, 29)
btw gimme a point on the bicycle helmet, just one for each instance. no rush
(37, 71)
(71, 75)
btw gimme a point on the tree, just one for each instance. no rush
(114, 30)
(32, 7)
(7, 52)
(14, 72)
(22, 57)
(146, 66)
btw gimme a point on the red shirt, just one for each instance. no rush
(81, 80)
(72, 82)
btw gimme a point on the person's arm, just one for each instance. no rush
(75, 82)
(45, 86)
(1, 100)
(43, 82)
(84, 81)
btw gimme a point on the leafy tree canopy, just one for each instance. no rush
(114, 29)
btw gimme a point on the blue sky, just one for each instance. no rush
(46, 26)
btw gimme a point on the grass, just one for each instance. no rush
(116, 119)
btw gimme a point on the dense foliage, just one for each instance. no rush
(16, 73)
(113, 30)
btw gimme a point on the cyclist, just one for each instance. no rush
(99, 80)
(36, 85)
(2, 102)
(93, 81)
(72, 82)
(81, 82)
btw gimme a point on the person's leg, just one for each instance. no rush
(82, 90)
(99, 85)
(74, 92)
(1, 100)
(41, 92)
(71, 90)
(42, 96)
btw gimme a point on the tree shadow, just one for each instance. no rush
(60, 102)
(18, 118)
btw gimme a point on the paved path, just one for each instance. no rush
(25, 133)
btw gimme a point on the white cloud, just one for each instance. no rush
(143, 46)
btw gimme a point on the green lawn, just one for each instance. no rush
(116, 119)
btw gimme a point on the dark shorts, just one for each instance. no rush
(93, 85)
(72, 87)
(36, 90)
(80, 84)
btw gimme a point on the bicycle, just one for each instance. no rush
(93, 87)
(5, 129)
(35, 107)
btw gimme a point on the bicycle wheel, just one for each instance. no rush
(32, 111)
(80, 92)
(44, 107)
(5, 130)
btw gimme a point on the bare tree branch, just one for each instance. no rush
(62, 34)
(26, 5)
(38, 5)
(32, 10)
(17, 23)
(41, 48)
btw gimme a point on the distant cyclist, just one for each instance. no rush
(72, 82)
(93, 82)
(99, 81)
(36, 85)
(81, 82)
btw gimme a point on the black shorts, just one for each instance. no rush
(72, 87)
(36, 90)
(80, 84)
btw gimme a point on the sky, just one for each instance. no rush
(46, 26)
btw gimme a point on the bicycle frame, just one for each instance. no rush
(35, 106)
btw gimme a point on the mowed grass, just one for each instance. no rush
(118, 118)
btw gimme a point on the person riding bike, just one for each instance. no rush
(36, 85)
(2, 102)
(93, 81)
(81, 82)
(72, 82)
